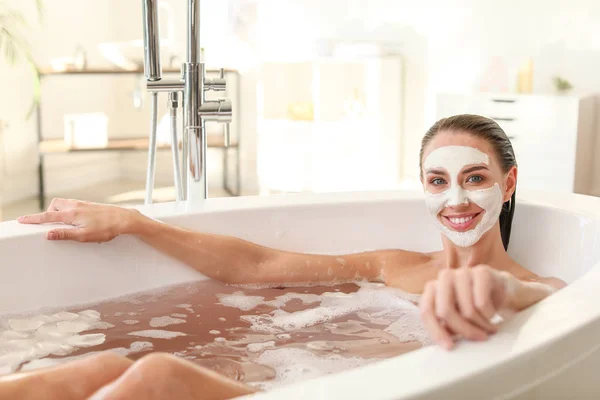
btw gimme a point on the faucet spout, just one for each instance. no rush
(152, 65)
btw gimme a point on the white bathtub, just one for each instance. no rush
(547, 351)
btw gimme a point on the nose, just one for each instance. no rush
(457, 196)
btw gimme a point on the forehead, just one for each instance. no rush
(463, 146)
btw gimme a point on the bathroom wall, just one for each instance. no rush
(447, 44)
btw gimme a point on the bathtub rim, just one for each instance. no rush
(582, 206)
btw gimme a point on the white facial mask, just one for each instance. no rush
(453, 159)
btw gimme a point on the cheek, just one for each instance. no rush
(489, 199)
(435, 202)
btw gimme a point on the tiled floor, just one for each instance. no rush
(118, 192)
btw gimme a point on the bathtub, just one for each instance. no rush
(547, 351)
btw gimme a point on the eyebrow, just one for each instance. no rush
(474, 168)
(435, 171)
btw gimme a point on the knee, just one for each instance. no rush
(158, 366)
(109, 359)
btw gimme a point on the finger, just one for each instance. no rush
(446, 309)
(58, 204)
(66, 234)
(482, 294)
(46, 217)
(427, 307)
(466, 306)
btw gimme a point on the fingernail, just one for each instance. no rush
(20, 219)
(51, 235)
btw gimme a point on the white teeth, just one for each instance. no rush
(460, 220)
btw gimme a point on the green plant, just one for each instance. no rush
(14, 45)
(562, 85)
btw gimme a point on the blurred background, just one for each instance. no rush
(329, 95)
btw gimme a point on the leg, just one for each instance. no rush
(163, 376)
(75, 380)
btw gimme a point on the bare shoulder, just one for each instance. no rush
(523, 274)
(556, 283)
(551, 281)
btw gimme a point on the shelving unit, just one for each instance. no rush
(58, 146)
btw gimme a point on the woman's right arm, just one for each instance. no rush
(226, 258)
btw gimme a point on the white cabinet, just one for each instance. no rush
(553, 136)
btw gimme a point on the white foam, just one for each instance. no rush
(258, 347)
(6, 369)
(409, 327)
(13, 335)
(179, 315)
(240, 300)
(187, 307)
(157, 334)
(39, 336)
(91, 314)
(131, 322)
(245, 303)
(24, 325)
(72, 326)
(159, 322)
(214, 332)
(65, 316)
(101, 325)
(292, 365)
(332, 305)
(42, 363)
(92, 339)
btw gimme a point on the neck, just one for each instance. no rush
(488, 250)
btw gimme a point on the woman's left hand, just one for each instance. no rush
(463, 301)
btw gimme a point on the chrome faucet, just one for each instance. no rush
(196, 109)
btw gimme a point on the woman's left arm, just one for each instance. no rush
(463, 301)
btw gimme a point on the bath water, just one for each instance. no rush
(261, 336)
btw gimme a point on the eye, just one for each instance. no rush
(438, 181)
(475, 179)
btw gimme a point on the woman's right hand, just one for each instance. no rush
(93, 222)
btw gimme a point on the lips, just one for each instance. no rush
(462, 222)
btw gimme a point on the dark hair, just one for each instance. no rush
(490, 131)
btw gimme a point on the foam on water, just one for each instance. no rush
(25, 339)
(157, 334)
(159, 322)
(258, 347)
(246, 303)
(292, 365)
(332, 305)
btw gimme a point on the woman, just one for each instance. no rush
(469, 174)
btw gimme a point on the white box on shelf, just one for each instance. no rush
(86, 130)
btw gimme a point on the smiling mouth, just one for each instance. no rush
(463, 222)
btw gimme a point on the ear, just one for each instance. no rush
(510, 183)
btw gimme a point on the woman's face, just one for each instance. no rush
(465, 185)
